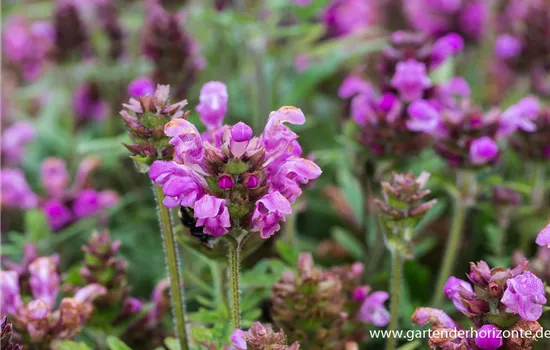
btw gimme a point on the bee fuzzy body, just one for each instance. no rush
(188, 220)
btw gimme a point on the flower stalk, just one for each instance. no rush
(172, 262)
(395, 298)
(235, 241)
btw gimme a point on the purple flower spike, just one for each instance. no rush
(507, 46)
(54, 176)
(57, 213)
(141, 86)
(16, 193)
(10, 301)
(44, 279)
(373, 311)
(525, 296)
(411, 80)
(14, 141)
(423, 117)
(489, 337)
(543, 238)
(86, 203)
(213, 104)
(269, 210)
(212, 213)
(483, 150)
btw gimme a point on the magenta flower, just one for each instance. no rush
(371, 110)
(446, 47)
(373, 311)
(213, 104)
(344, 17)
(141, 86)
(488, 337)
(519, 116)
(411, 79)
(57, 214)
(353, 85)
(15, 190)
(360, 293)
(227, 174)
(525, 296)
(10, 300)
(423, 117)
(44, 279)
(86, 203)
(452, 290)
(507, 46)
(238, 340)
(14, 141)
(543, 238)
(54, 176)
(483, 150)
(88, 103)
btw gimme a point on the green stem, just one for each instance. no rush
(172, 262)
(233, 264)
(290, 229)
(451, 250)
(537, 193)
(395, 290)
(503, 224)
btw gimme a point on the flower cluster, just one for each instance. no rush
(38, 319)
(229, 178)
(27, 45)
(313, 306)
(390, 122)
(522, 45)
(344, 17)
(145, 117)
(260, 337)
(439, 17)
(173, 51)
(64, 205)
(15, 138)
(500, 299)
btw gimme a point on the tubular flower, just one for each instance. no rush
(469, 18)
(500, 299)
(260, 337)
(309, 306)
(521, 44)
(65, 204)
(38, 320)
(227, 176)
(172, 50)
(145, 118)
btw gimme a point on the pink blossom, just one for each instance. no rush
(411, 79)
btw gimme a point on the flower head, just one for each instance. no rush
(410, 79)
(525, 296)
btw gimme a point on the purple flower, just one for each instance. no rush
(353, 85)
(302, 63)
(451, 94)
(212, 213)
(524, 295)
(360, 293)
(373, 311)
(543, 238)
(507, 46)
(57, 214)
(10, 300)
(241, 134)
(269, 210)
(293, 173)
(445, 47)
(44, 279)
(188, 144)
(213, 104)
(16, 193)
(14, 141)
(423, 117)
(86, 203)
(237, 339)
(54, 176)
(519, 116)
(87, 103)
(483, 150)
(488, 337)
(180, 184)
(343, 17)
(371, 110)
(410, 79)
(141, 86)
(424, 315)
(452, 291)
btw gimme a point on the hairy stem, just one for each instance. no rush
(451, 250)
(171, 258)
(233, 264)
(395, 290)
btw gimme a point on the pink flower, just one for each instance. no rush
(10, 300)
(15, 190)
(489, 337)
(343, 17)
(238, 340)
(15, 139)
(423, 117)
(411, 79)
(212, 213)
(141, 86)
(452, 290)
(524, 295)
(371, 110)
(269, 210)
(44, 279)
(57, 214)
(353, 85)
(519, 116)
(543, 238)
(373, 311)
(507, 46)
(213, 104)
(293, 173)
(483, 150)
(180, 184)
(86, 203)
(54, 176)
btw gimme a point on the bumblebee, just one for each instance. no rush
(188, 220)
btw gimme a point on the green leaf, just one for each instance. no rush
(352, 193)
(71, 345)
(36, 225)
(172, 343)
(116, 344)
(350, 243)
(410, 346)
(201, 334)
(287, 252)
